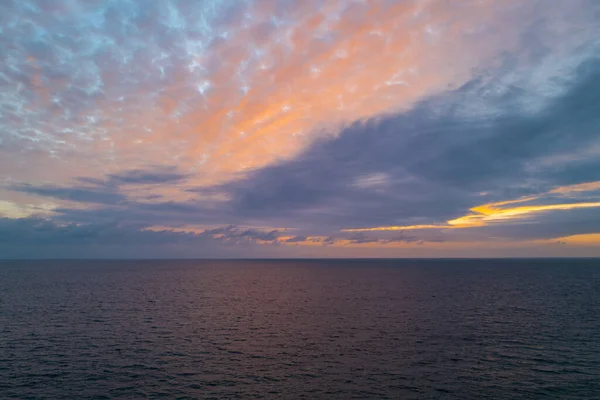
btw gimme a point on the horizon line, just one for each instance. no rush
(299, 258)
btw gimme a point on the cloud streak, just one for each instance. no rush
(486, 214)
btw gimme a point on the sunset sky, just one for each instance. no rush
(299, 128)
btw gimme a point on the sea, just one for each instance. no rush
(300, 329)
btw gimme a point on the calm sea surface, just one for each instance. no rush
(401, 329)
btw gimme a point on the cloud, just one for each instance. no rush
(435, 171)
(582, 187)
(155, 176)
(249, 235)
(39, 231)
(225, 87)
(317, 116)
(73, 193)
(296, 239)
(158, 175)
(375, 181)
(486, 214)
(436, 163)
(117, 188)
(585, 240)
(40, 238)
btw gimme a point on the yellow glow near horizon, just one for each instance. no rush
(484, 214)
(584, 239)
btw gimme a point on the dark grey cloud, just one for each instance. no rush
(149, 176)
(107, 191)
(296, 239)
(152, 176)
(400, 237)
(232, 234)
(39, 231)
(80, 194)
(41, 238)
(329, 240)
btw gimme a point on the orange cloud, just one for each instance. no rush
(582, 187)
(263, 93)
(583, 240)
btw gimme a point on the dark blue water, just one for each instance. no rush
(462, 329)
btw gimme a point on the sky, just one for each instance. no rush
(288, 128)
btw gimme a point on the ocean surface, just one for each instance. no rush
(318, 329)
